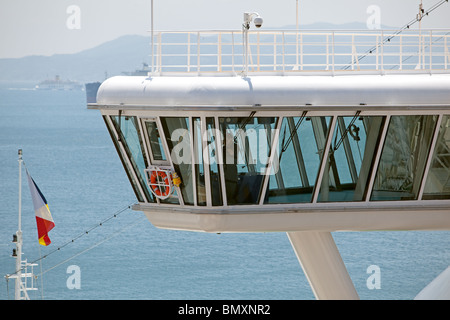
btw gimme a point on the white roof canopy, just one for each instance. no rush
(343, 90)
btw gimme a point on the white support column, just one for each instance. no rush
(323, 266)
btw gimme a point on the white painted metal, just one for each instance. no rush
(323, 265)
(378, 156)
(191, 145)
(324, 165)
(385, 84)
(430, 158)
(379, 50)
(206, 162)
(219, 139)
(275, 91)
(438, 289)
(349, 216)
(273, 161)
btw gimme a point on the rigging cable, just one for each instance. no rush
(344, 134)
(293, 131)
(406, 26)
(286, 144)
(425, 47)
(87, 231)
(116, 214)
(96, 244)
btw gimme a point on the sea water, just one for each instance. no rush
(68, 152)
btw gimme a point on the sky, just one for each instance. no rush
(47, 27)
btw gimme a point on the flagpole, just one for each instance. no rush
(18, 257)
(21, 287)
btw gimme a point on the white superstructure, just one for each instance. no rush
(278, 146)
(261, 92)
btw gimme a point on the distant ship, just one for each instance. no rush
(273, 141)
(92, 87)
(91, 91)
(139, 72)
(58, 84)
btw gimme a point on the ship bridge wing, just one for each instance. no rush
(285, 153)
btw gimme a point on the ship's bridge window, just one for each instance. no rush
(438, 180)
(206, 162)
(297, 159)
(158, 158)
(215, 158)
(192, 144)
(404, 156)
(129, 135)
(179, 142)
(156, 146)
(246, 149)
(351, 158)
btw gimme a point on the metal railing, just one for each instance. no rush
(292, 51)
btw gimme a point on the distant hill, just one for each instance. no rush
(126, 53)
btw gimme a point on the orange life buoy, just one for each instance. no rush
(161, 190)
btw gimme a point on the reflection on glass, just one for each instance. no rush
(155, 141)
(128, 169)
(246, 151)
(299, 153)
(204, 156)
(351, 157)
(438, 179)
(216, 186)
(198, 162)
(404, 157)
(129, 134)
(158, 156)
(176, 131)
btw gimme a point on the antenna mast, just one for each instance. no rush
(419, 18)
(21, 275)
(18, 238)
(152, 37)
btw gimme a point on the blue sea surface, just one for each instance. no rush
(69, 153)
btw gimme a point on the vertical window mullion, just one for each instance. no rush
(273, 153)
(146, 141)
(430, 156)
(168, 156)
(220, 159)
(377, 158)
(324, 159)
(191, 142)
(206, 161)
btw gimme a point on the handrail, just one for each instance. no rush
(293, 51)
